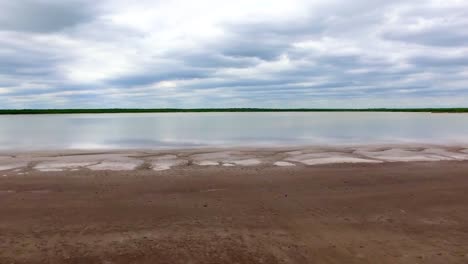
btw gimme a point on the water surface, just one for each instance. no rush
(182, 130)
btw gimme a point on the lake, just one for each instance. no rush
(186, 130)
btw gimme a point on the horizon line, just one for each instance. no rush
(236, 109)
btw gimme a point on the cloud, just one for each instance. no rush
(43, 15)
(433, 25)
(207, 53)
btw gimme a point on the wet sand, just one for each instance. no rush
(389, 212)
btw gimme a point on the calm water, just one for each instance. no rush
(110, 131)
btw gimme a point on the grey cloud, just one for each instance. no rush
(266, 40)
(238, 68)
(251, 48)
(446, 62)
(157, 75)
(27, 63)
(438, 36)
(213, 60)
(42, 15)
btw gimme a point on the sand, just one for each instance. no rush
(163, 208)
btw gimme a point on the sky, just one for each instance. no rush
(243, 53)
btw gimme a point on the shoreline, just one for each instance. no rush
(158, 160)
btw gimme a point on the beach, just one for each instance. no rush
(282, 205)
(233, 132)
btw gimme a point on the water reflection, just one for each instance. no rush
(227, 129)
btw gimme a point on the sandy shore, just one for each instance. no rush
(124, 160)
(386, 212)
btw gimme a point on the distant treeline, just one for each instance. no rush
(203, 110)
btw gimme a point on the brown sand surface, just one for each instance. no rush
(414, 212)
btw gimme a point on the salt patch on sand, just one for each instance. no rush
(246, 162)
(60, 166)
(166, 162)
(402, 155)
(329, 158)
(447, 153)
(294, 153)
(206, 163)
(212, 158)
(464, 150)
(332, 160)
(225, 157)
(217, 156)
(11, 166)
(284, 164)
(116, 165)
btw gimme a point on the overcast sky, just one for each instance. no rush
(242, 53)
